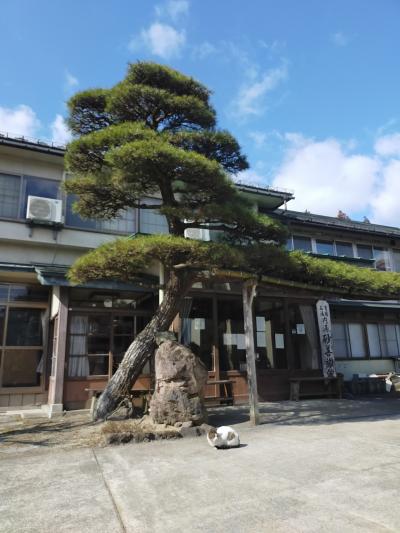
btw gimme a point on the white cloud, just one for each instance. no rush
(174, 9)
(326, 175)
(161, 39)
(251, 177)
(21, 120)
(326, 178)
(251, 97)
(70, 80)
(388, 145)
(385, 203)
(60, 133)
(258, 137)
(340, 39)
(204, 50)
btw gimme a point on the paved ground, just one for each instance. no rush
(324, 473)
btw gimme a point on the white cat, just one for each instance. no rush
(223, 437)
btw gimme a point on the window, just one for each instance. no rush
(10, 187)
(151, 220)
(340, 340)
(356, 338)
(325, 247)
(232, 350)
(124, 223)
(344, 249)
(197, 328)
(380, 258)
(365, 251)
(352, 339)
(396, 260)
(14, 192)
(302, 243)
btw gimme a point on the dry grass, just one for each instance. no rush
(79, 431)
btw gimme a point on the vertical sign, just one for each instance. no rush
(325, 336)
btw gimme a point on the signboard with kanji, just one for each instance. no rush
(325, 335)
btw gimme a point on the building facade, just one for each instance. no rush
(59, 342)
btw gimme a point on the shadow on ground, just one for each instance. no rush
(309, 411)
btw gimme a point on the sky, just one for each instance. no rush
(310, 89)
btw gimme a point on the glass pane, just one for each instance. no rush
(4, 292)
(28, 293)
(150, 220)
(339, 337)
(99, 325)
(39, 187)
(98, 365)
(344, 249)
(289, 244)
(123, 325)
(391, 340)
(21, 368)
(396, 260)
(373, 340)
(78, 325)
(302, 243)
(380, 258)
(24, 327)
(325, 247)
(230, 326)
(73, 219)
(121, 344)
(356, 340)
(78, 367)
(9, 195)
(2, 318)
(124, 223)
(365, 251)
(197, 328)
(98, 345)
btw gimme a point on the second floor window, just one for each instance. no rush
(325, 247)
(302, 243)
(14, 192)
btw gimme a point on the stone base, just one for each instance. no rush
(53, 409)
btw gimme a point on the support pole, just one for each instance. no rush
(249, 292)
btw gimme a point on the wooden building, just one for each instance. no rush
(60, 342)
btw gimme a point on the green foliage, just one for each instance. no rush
(153, 134)
(126, 258)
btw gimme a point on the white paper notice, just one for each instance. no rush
(260, 323)
(300, 329)
(230, 339)
(241, 341)
(279, 341)
(261, 339)
(199, 323)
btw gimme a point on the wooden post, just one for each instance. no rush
(56, 384)
(249, 292)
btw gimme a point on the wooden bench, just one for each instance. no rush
(95, 392)
(328, 384)
(225, 389)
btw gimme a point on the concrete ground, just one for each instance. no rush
(317, 466)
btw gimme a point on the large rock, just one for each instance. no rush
(180, 380)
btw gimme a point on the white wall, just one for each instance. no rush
(365, 367)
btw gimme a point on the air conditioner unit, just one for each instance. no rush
(197, 234)
(44, 209)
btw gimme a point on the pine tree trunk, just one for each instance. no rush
(142, 348)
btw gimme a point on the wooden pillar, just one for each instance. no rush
(249, 292)
(56, 385)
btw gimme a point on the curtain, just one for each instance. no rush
(309, 359)
(186, 326)
(78, 362)
(44, 317)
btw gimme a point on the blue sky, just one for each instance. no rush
(310, 89)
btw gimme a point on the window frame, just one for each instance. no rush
(23, 304)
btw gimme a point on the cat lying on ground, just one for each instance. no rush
(223, 437)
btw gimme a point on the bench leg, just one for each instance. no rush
(93, 405)
(295, 391)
